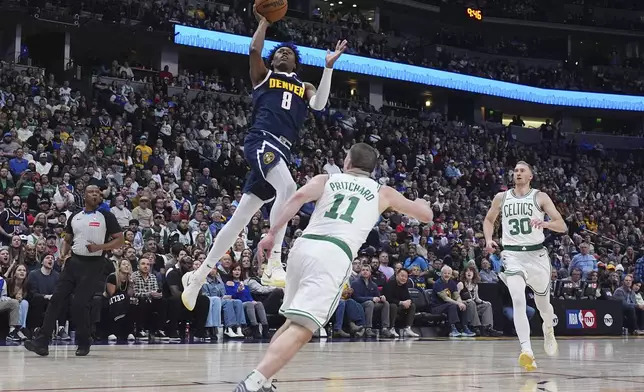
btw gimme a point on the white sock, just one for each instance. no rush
(255, 380)
(11, 329)
(280, 178)
(545, 309)
(516, 285)
(248, 206)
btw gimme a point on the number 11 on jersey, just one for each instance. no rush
(348, 214)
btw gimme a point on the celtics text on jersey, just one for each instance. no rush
(516, 214)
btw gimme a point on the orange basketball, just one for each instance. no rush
(272, 10)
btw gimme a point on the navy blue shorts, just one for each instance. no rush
(262, 152)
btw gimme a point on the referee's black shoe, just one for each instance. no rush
(83, 350)
(38, 345)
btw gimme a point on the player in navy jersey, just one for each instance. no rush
(280, 102)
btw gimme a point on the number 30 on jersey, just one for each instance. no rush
(287, 98)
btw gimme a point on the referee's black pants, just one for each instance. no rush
(79, 277)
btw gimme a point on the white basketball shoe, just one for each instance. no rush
(274, 273)
(191, 290)
(550, 345)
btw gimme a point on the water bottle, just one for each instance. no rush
(187, 331)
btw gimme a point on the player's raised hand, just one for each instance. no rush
(259, 17)
(491, 246)
(265, 247)
(331, 57)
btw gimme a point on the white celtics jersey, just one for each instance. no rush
(516, 214)
(347, 210)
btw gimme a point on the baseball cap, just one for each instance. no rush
(8, 134)
(611, 267)
(43, 155)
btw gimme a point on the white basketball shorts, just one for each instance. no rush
(533, 265)
(317, 269)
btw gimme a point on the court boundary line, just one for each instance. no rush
(286, 381)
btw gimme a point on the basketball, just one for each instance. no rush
(272, 10)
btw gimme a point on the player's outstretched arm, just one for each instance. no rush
(488, 222)
(311, 191)
(418, 209)
(557, 222)
(319, 97)
(258, 69)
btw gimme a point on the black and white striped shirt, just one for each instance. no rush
(91, 227)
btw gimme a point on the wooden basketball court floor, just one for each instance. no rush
(588, 365)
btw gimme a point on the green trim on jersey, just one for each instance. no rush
(520, 197)
(534, 200)
(523, 248)
(505, 195)
(341, 244)
(300, 313)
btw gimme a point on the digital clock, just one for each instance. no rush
(473, 13)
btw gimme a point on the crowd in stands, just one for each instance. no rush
(171, 169)
(326, 28)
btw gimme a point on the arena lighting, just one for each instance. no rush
(238, 44)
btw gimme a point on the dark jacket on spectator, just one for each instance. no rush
(363, 292)
(39, 285)
(394, 292)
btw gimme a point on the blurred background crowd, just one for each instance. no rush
(166, 150)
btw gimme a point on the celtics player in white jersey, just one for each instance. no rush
(348, 205)
(525, 259)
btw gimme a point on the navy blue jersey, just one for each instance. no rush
(279, 105)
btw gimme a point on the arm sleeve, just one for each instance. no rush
(68, 227)
(321, 97)
(404, 293)
(32, 286)
(443, 295)
(112, 223)
(387, 292)
(173, 278)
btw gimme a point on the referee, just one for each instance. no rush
(89, 233)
